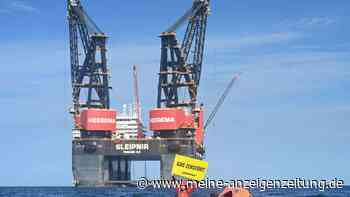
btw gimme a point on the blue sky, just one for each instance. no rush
(287, 117)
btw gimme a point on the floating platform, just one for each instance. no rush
(106, 162)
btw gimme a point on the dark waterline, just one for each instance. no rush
(134, 192)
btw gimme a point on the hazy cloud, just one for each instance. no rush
(253, 40)
(12, 7)
(5, 11)
(20, 5)
(310, 22)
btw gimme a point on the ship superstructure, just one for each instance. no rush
(127, 123)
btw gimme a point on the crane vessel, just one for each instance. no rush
(105, 141)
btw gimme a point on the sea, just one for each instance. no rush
(134, 192)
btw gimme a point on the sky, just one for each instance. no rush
(287, 116)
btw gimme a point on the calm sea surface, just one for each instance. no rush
(133, 192)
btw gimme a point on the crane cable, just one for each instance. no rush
(221, 100)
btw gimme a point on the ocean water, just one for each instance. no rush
(133, 192)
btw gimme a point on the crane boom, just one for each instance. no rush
(178, 115)
(192, 12)
(90, 77)
(137, 103)
(221, 101)
(177, 69)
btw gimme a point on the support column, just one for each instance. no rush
(166, 164)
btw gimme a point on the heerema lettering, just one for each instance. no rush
(162, 119)
(101, 120)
